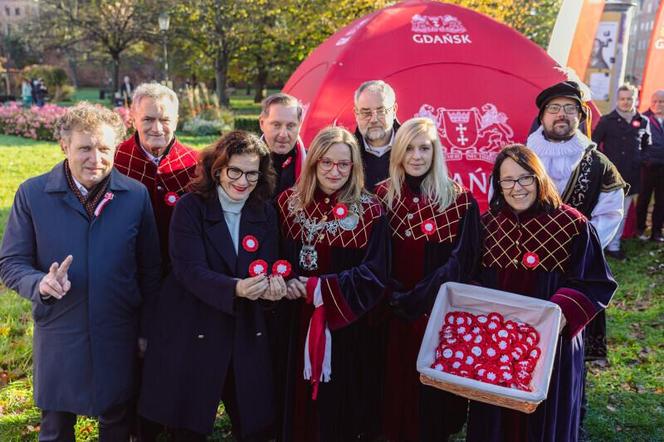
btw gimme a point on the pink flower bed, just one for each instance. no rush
(37, 123)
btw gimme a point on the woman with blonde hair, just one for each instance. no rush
(434, 225)
(334, 236)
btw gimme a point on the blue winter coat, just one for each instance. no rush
(85, 344)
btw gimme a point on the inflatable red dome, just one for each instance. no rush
(476, 77)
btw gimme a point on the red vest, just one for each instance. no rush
(166, 182)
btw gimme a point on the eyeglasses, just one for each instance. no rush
(327, 164)
(524, 181)
(569, 109)
(234, 174)
(380, 113)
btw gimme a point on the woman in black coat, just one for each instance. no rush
(208, 340)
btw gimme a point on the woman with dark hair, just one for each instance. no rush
(335, 236)
(435, 230)
(208, 340)
(536, 246)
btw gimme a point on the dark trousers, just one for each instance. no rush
(652, 180)
(58, 426)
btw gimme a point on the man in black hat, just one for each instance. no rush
(584, 177)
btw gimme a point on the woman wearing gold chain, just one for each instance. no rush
(334, 234)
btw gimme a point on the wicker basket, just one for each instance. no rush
(543, 315)
(481, 396)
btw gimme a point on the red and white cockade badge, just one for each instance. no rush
(286, 163)
(530, 260)
(340, 211)
(250, 243)
(171, 198)
(428, 226)
(108, 196)
(258, 267)
(636, 123)
(281, 268)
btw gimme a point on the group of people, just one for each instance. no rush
(294, 285)
(33, 92)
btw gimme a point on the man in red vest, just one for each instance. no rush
(155, 157)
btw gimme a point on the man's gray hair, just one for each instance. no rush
(627, 87)
(657, 93)
(155, 91)
(379, 87)
(283, 100)
(87, 117)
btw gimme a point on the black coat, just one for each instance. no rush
(201, 330)
(655, 152)
(624, 143)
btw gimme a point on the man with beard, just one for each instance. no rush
(652, 173)
(154, 156)
(375, 114)
(280, 121)
(585, 178)
(623, 136)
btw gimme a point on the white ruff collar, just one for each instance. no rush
(559, 158)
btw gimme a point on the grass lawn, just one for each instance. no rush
(625, 395)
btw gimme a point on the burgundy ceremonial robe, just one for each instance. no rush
(352, 267)
(166, 182)
(423, 260)
(569, 270)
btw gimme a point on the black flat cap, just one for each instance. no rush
(566, 89)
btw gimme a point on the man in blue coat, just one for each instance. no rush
(81, 244)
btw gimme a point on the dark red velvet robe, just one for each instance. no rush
(166, 182)
(352, 269)
(421, 263)
(570, 271)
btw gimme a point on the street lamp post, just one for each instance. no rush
(164, 22)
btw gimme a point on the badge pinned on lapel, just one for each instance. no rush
(636, 123)
(282, 268)
(340, 211)
(250, 243)
(428, 227)
(258, 267)
(171, 198)
(530, 260)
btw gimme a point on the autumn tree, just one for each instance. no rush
(110, 26)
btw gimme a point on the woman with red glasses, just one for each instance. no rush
(434, 224)
(334, 235)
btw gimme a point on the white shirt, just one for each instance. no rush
(81, 188)
(560, 159)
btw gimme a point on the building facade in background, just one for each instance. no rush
(14, 12)
(642, 26)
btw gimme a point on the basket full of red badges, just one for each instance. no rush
(490, 346)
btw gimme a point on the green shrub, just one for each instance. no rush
(248, 124)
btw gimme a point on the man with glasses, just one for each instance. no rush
(652, 173)
(375, 114)
(585, 178)
(155, 157)
(624, 135)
